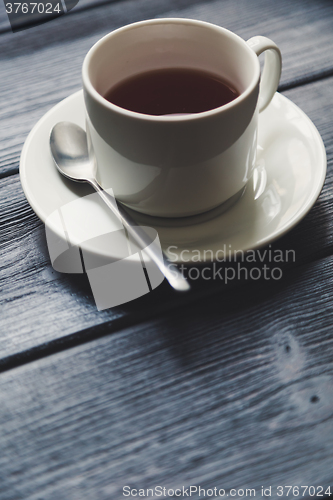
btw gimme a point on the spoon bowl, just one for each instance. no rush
(70, 152)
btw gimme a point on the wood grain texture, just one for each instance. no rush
(41, 66)
(39, 305)
(238, 395)
(82, 5)
(91, 4)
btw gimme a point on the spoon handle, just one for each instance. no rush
(168, 269)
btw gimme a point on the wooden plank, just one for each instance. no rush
(82, 5)
(41, 66)
(39, 306)
(239, 396)
(91, 4)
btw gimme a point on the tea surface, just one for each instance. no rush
(172, 91)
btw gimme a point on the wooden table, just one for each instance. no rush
(229, 386)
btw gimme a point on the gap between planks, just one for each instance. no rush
(255, 292)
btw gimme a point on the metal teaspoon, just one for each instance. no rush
(69, 149)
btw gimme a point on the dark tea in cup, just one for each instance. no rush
(172, 91)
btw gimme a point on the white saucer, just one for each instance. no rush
(290, 173)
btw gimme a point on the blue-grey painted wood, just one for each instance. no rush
(91, 4)
(231, 392)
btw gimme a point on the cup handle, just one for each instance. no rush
(272, 68)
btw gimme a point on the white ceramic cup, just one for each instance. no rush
(175, 166)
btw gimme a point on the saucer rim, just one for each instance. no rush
(270, 238)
